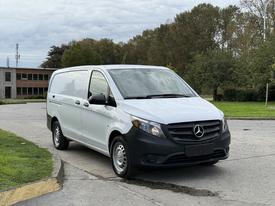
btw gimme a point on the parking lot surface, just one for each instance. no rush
(246, 178)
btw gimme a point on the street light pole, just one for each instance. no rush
(265, 9)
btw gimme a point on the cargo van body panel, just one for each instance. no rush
(137, 115)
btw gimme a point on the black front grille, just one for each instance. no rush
(182, 158)
(183, 132)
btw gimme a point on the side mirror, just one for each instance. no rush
(98, 99)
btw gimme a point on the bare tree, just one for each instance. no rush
(257, 8)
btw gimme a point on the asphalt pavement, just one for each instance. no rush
(246, 178)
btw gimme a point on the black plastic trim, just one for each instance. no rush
(152, 151)
(49, 122)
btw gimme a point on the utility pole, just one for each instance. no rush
(8, 62)
(266, 95)
(17, 55)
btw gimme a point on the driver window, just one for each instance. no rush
(98, 85)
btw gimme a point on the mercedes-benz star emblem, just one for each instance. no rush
(198, 131)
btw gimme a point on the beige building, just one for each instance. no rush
(23, 82)
(7, 83)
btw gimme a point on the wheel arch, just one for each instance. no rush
(54, 119)
(113, 134)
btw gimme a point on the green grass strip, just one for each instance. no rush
(247, 109)
(21, 161)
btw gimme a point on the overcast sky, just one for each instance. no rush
(38, 24)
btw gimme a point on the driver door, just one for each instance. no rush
(97, 118)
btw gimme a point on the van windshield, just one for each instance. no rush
(150, 83)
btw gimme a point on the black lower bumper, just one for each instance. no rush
(149, 150)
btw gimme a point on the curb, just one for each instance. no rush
(37, 188)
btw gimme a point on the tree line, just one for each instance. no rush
(218, 51)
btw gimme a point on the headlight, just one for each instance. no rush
(148, 126)
(224, 125)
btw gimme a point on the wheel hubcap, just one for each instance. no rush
(119, 157)
(56, 137)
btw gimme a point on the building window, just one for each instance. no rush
(19, 91)
(7, 76)
(35, 77)
(24, 76)
(40, 76)
(29, 91)
(29, 76)
(46, 77)
(24, 91)
(35, 91)
(45, 90)
(41, 91)
(18, 76)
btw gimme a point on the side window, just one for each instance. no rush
(72, 83)
(98, 85)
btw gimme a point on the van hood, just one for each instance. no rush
(172, 110)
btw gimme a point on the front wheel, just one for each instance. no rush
(121, 159)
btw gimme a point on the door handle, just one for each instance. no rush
(86, 104)
(77, 102)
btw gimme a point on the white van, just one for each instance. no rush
(137, 115)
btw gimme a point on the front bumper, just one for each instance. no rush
(148, 150)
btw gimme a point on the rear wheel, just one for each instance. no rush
(121, 159)
(59, 141)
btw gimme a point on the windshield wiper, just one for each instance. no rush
(158, 96)
(137, 97)
(167, 95)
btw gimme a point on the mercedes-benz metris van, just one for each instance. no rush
(137, 115)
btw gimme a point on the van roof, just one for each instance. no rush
(112, 66)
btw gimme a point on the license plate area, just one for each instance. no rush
(199, 150)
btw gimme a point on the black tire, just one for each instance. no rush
(59, 141)
(210, 163)
(128, 170)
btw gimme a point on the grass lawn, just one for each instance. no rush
(21, 161)
(20, 101)
(247, 109)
